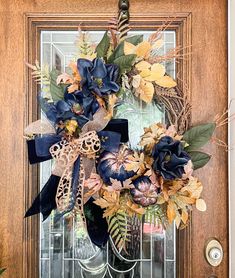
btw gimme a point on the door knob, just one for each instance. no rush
(214, 252)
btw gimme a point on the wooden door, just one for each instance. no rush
(200, 23)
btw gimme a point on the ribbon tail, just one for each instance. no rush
(97, 226)
(66, 194)
(45, 201)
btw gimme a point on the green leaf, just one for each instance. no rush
(198, 136)
(199, 159)
(125, 62)
(2, 270)
(103, 46)
(135, 39)
(57, 91)
(119, 50)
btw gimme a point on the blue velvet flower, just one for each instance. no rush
(98, 77)
(75, 106)
(169, 158)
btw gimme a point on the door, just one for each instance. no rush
(24, 26)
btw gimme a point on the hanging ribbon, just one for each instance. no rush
(74, 163)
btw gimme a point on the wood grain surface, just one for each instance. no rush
(209, 97)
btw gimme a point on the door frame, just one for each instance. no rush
(34, 24)
(231, 133)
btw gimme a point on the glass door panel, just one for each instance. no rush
(65, 248)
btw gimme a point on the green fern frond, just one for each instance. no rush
(119, 229)
(41, 74)
(156, 215)
(84, 46)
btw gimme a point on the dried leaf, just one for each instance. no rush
(64, 78)
(136, 163)
(157, 72)
(134, 208)
(201, 205)
(143, 65)
(166, 82)
(171, 213)
(145, 91)
(184, 216)
(129, 48)
(109, 202)
(143, 49)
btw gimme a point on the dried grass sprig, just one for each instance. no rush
(175, 53)
(177, 106)
(223, 118)
(158, 34)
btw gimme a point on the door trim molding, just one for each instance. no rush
(231, 134)
(34, 23)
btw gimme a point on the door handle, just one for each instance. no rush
(214, 252)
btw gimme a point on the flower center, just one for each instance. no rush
(99, 82)
(167, 157)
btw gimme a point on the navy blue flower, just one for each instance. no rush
(75, 106)
(98, 77)
(169, 158)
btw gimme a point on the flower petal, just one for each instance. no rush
(99, 69)
(166, 82)
(83, 64)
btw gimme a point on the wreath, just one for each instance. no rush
(96, 174)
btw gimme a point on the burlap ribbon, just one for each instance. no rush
(74, 162)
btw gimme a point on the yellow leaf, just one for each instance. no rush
(145, 73)
(157, 72)
(134, 208)
(201, 205)
(166, 82)
(129, 48)
(143, 49)
(184, 216)
(171, 214)
(177, 221)
(160, 200)
(143, 65)
(146, 91)
(186, 200)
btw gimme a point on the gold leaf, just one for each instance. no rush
(143, 65)
(134, 208)
(166, 82)
(187, 200)
(184, 216)
(143, 49)
(145, 73)
(201, 205)
(146, 91)
(160, 200)
(177, 221)
(157, 72)
(64, 78)
(129, 48)
(171, 213)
